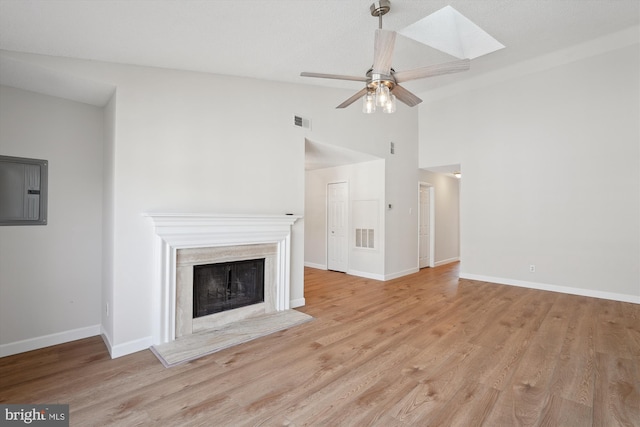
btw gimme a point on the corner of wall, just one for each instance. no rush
(298, 302)
(127, 348)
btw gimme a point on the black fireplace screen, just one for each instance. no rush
(225, 286)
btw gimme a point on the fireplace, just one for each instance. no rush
(227, 286)
(190, 262)
(185, 241)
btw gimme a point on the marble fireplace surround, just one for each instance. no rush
(228, 235)
(186, 324)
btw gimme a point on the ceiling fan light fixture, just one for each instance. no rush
(382, 95)
(381, 79)
(379, 95)
(369, 103)
(390, 106)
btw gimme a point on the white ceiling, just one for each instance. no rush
(276, 40)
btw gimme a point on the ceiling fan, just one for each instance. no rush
(382, 83)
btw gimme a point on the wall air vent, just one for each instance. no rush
(302, 122)
(365, 238)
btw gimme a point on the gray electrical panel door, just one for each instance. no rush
(23, 195)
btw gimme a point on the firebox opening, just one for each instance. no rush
(225, 286)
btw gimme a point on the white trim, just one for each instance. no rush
(195, 230)
(432, 226)
(554, 288)
(314, 265)
(366, 275)
(380, 277)
(401, 273)
(298, 302)
(446, 261)
(129, 347)
(48, 340)
(106, 338)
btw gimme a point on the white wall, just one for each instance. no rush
(551, 163)
(193, 142)
(446, 215)
(50, 276)
(372, 134)
(366, 182)
(401, 235)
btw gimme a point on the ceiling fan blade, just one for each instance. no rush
(433, 70)
(354, 98)
(405, 96)
(334, 76)
(383, 51)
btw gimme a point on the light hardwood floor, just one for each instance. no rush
(425, 349)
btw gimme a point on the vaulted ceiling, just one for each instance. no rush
(277, 39)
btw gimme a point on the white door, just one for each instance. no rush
(337, 203)
(425, 226)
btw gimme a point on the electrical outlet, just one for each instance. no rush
(532, 268)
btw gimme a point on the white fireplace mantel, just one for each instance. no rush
(193, 230)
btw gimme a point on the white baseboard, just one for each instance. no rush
(313, 265)
(446, 261)
(129, 347)
(366, 275)
(376, 276)
(554, 288)
(107, 339)
(401, 273)
(298, 302)
(48, 340)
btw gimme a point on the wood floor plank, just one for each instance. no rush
(424, 349)
(566, 413)
(514, 333)
(26, 367)
(617, 392)
(469, 407)
(613, 330)
(632, 324)
(329, 404)
(574, 377)
(436, 388)
(529, 387)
